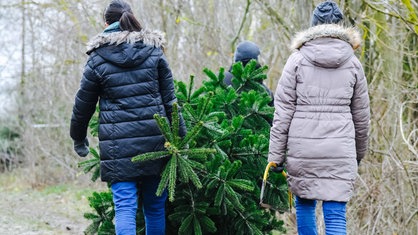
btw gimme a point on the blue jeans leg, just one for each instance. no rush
(125, 198)
(335, 217)
(153, 206)
(305, 216)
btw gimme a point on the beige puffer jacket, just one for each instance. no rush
(322, 114)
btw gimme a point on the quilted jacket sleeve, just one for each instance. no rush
(85, 102)
(285, 105)
(360, 109)
(167, 91)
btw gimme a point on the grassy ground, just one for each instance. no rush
(48, 210)
(57, 209)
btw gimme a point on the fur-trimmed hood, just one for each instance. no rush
(153, 38)
(327, 45)
(349, 35)
(127, 49)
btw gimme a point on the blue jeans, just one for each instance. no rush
(125, 197)
(334, 217)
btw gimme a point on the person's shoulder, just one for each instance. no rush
(354, 62)
(295, 58)
(93, 58)
(295, 54)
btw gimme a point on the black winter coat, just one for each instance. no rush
(130, 77)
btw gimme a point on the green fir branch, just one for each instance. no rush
(176, 124)
(220, 193)
(191, 84)
(191, 174)
(164, 127)
(196, 226)
(185, 227)
(214, 80)
(204, 105)
(92, 165)
(233, 197)
(150, 156)
(172, 175)
(102, 203)
(164, 180)
(181, 94)
(197, 153)
(190, 112)
(183, 170)
(192, 134)
(241, 184)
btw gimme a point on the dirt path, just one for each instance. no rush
(53, 210)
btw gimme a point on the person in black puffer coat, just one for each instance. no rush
(128, 73)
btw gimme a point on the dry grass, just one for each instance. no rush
(51, 210)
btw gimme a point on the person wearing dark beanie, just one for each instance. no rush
(245, 52)
(321, 120)
(326, 13)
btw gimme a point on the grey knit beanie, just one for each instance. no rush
(246, 50)
(326, 13)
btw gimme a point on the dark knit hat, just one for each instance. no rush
(246, 50)
(326, 13)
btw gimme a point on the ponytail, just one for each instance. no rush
(128, 22)
(119, 10)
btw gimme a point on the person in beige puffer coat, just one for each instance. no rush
(321, 120)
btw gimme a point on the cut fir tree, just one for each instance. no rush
(214, 173)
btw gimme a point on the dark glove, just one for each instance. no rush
(358, 162)
(277, 168)
(81, 147)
